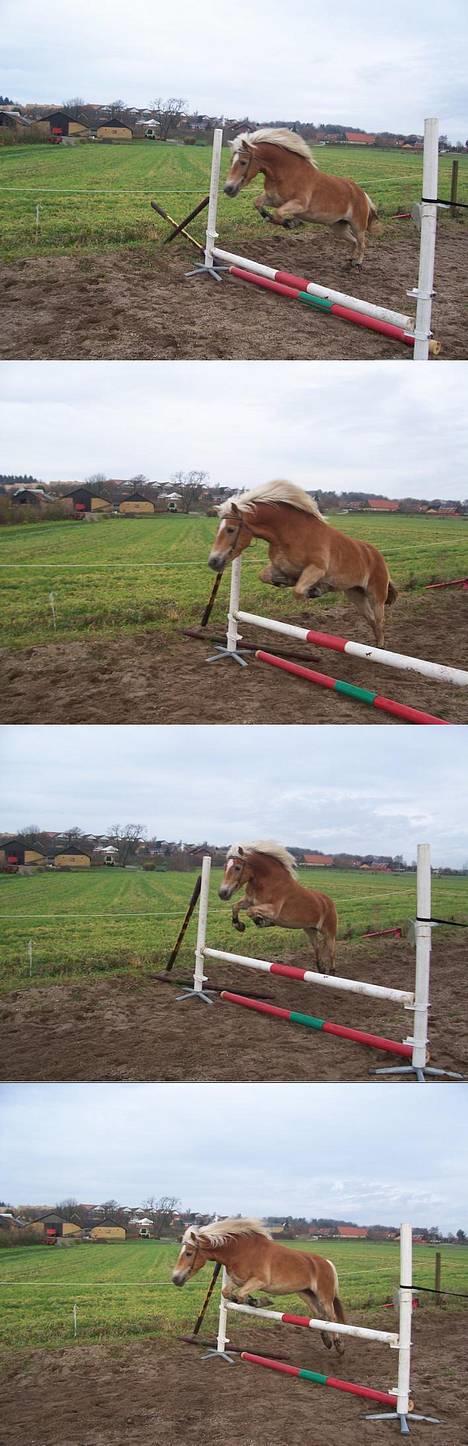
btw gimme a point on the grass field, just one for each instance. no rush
(124, 1290)
(87, 925)
(96, 197)
(124, 574)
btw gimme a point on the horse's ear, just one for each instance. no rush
(192, 1236)
(247, 146)
(241, 852)
(235, 510)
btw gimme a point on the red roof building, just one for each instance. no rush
(352, 1232)
(318, 861)
(359, 138)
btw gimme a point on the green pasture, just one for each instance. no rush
(124, 574)
(123, 1291)
(104, 921)
(95, 197)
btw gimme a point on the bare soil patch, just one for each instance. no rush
(138, 303)
(133, 1028)
(154, 1393)
(145, 678)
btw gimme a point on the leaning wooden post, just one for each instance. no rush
(438, 1273)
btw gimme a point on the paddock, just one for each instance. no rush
(155, 1392)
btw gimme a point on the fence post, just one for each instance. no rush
(30, 956)
(428, 213)
(454, 189)
(406, 1309)
(438, 1273)
(423, 956)
(75, 1325)
(199, 978)
(211, 232)
(234, 597)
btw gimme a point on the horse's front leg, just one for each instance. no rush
(263, 915)
(244, 1295)
(275, 577)
(290, 214)
(307, 583)
(242, 904)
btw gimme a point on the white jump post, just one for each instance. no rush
(211, 233)
(414, 1048)
(397, 1340)
(428, 215)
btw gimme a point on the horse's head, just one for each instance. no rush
(244, 165)
(232, 537)
(192, 1256)
(235, 872)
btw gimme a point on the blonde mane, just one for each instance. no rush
(267, 846)
(286, 140)
(220, 1231)
(272, 492)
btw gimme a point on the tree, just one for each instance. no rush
(125, 838)
(168, 113)
(161, 1212)
(73, 105)
(190, 485)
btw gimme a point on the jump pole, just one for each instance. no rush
(398, 1399)
(418, 330)
(351, 690)
(414, 1048)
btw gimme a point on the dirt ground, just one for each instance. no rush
(151, 1393)
(143, 678)
(138, 304)
(134, 1028)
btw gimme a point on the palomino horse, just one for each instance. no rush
(296, 188)
(274, 897)
(305, 552)
(254, 1261)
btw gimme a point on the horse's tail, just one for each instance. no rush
(373, 223)
(392, 593)
(338, 1309)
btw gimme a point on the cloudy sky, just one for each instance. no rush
(397, 430)
(382, 68)
(206, 1145)
(321, 787)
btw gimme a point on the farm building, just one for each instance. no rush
(82, 500)
(136, 506)
(13, 121)
(352, 1232)
(109, 854)
(106, 1230)
(31, 496)
(383, 504)
(359, 138)
(15, 852)
(70, 858)
(318, 861)
(53, 1227)
(58, 123)
(113, 130)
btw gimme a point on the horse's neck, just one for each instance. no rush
(267, 873)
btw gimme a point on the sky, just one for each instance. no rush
(360, 65)
(400, 431)
(328, 788)
(301, 1150)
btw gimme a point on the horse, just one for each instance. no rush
(297, 190)
(273, 897)
(305, 552)
(254, 1261)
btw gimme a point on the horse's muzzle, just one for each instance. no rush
(225, 891)
(179, 1277)
(232, 188)
(216, 562)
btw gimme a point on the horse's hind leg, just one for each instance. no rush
(371, 610)
(326, 953)
(312, 1300)
(313, 938)
(346, 232)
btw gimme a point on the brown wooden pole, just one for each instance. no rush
(207, 1299)
(174, 952)
(166, 217)
(438, 1273)
(191, 217)
(454, 189)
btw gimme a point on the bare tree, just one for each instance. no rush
(190, 485)
(125, 839)
(168, 113)
(73, 105)
(161, 1212)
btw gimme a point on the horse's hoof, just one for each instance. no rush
(240, 928)
(326, 1341)
(339, 1348)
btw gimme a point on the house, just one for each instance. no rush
(113, 130)
(136, 506)
(106, 1230)
(359, 138)
(53, 1228)
(383, 504)
(15, 853)
(352, 1232)
(12, 120)
(71, 858)
(34, 496)
(82, 499)
(109, 853)
(318, 861)
(58, 124)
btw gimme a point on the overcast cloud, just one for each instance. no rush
(207, 1145)
(319, 787)
(360, 65)
(395, 430)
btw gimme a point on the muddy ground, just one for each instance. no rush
(133, 1028)
(144, 678)
(138, 303)
(151, 1393)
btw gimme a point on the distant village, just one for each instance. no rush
(109, 497)
(32, 850)
(76, 120)
(71, 1223)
